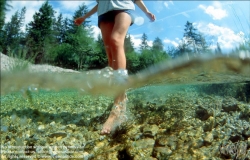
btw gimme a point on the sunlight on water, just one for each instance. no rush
(203, 69)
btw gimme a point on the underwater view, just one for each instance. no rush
(180, 109)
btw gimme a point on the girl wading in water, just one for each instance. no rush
(114, 19)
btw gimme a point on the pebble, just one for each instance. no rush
(57, 134)
(162, 152)
(142, 146)
(209, 138)
(229, 104)
(150, 130)
(41, 127)
(202, 113)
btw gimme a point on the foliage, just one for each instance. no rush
(193, 43)
(58, 41)
(133, 62)
(4, 6)
(40, 33)
(18, 62)
(244, 46)
(144, 43)
(13, 34)
(62, 55)
(128, 44)
(158, 51)
(98, 59)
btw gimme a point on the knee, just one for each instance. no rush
(116, 41)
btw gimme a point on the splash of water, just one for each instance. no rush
(196, 70)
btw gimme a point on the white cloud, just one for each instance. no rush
(136, 39)
(159, 5)
(166, 4)
(168, 41)
(215, 11)
(96, 32)
(150, 43)
(226, 37)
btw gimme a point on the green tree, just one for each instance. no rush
(13, 33)
(4, 6)
(158, 45)
(98, 59)
(59, 30)
(40, 33)
(144, 43)
(157, 50)
(146, 59)
(128, 44)
(72, 28)
(193, 43)
(218, 49)
(82, 53)
(133, 62)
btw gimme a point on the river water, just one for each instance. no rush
(185, 108)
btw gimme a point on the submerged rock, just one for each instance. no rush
(150, 130)
(57, 134)
(160, 152)
(142, 148)
(209, 138)
(202, 113)
(229, 104)
(209, 125)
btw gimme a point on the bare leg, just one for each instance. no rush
(114, 39)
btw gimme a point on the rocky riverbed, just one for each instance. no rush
(206, 121)
(164, 122)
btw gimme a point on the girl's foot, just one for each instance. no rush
(116, 117)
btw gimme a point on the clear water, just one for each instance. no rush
(41, 104)
(197, 70)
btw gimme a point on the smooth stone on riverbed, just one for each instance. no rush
(57, 134)
(229, 104)
(209, 138)
(197, 143)
(150, 130)
(202, 113)
(160, 152)
(142, 148)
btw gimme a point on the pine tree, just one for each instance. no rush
(218, 49)
(144, 44)
(77, 48)
(190, 31)
(13, 32)
(157, 44)
(4, 6)
(193, 43)
(157, 50)
(58, 30)
(40, 33)
(128, 44)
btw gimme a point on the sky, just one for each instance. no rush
(223, 22)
